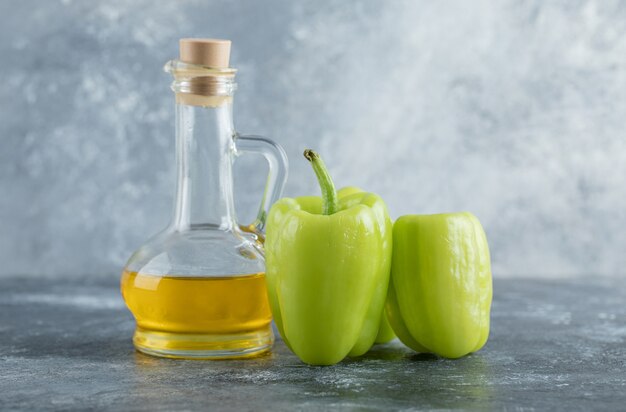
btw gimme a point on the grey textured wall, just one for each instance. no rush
(513, 110)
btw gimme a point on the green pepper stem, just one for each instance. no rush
(330, 201)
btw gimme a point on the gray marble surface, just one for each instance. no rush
(558, 345)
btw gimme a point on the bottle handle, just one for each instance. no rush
(276, 177)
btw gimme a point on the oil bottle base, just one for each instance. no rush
(203, 346)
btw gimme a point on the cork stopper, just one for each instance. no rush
(212, 53)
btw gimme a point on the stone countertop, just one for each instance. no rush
(66, 344)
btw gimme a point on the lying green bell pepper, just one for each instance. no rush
(327, 269)
(385, 332)
(440, 288)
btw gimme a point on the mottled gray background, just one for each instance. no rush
(514, 110)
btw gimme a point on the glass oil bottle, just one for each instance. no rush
(197, 288)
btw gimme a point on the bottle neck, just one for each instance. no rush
(204, 147)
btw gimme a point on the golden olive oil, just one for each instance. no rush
(226, 314)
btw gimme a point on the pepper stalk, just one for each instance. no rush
(330, 200)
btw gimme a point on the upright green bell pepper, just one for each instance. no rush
(327, 269)
(440, 289)
(385, 333)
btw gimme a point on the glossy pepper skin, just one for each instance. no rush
(385, 333)
(327, 274)
(440, 290)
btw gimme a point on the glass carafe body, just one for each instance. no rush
(197, 288)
